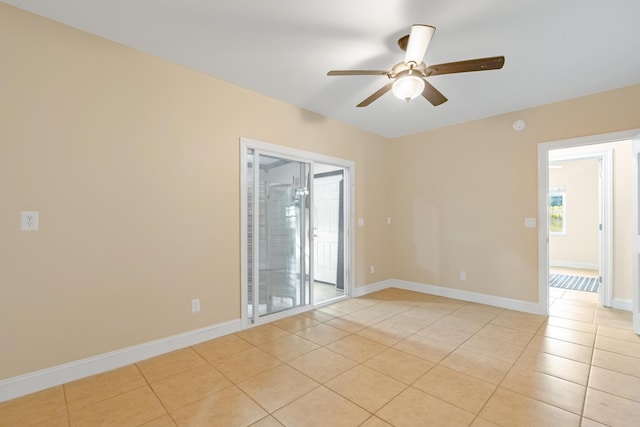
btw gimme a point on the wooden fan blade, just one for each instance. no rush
(433, 95)
(357, 73)
(493, 63)
(377, 94)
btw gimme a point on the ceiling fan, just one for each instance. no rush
(408, 78)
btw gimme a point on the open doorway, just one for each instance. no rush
(579, 206)
(614, 225)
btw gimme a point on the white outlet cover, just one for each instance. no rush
(530, 223)
(29, 221)
(361, 222)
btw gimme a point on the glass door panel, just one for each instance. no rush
(278, 210)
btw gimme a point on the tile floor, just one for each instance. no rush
(394, 358)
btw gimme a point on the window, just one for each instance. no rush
(557, 211)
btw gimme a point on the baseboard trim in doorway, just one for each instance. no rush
(511, 304)
(622, 304)
(40, 380)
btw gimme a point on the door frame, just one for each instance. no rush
(349, 225)
(635, 219)
(543, 223)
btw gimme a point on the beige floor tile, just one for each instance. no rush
(244, 365)
(374, 421)
(620, 334)
(488, 369)
(425, 348)
(399, 365)
(262, 334)
(491, 348)
(319, 315)
(617, 362)
(561, 348)
(383, 334)
(481, 422)
(331, 364)
(99, 387)
(614, 345)
(473, 313)
(170, 364)
(187, 387)
(288, 347)
(506, 335)
(222, 347)
(577, 315)
(416, 408)
(276, 387)
(620, 319)
(346, 325)
(61, 421)
(446, 333)
(295, 323)
(267, 422)
(34, 408)
(356, 348)
(507, 408)
(163, 421)
(322, 334)
(406, 323)
(227, 408)
(459, 389)
(612, 382)
(127, 409)
(586, 422)
(425, 314)
(321, 407)
(368, 316)
(587, 327)
(366, 387)
(556, 366)
(546, 388)
(565, 334)
(611, 410)
(524, 322)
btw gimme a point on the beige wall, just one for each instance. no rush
(579, 245)
(461, 193)
(133, 164)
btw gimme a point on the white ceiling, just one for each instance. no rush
(554, 49)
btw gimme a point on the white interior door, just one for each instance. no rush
(326, 227)
(635, 186)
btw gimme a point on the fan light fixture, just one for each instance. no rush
(408, 87)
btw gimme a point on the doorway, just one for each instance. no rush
(293, 205)
(615, 265)
(579, 224)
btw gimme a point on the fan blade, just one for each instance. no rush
(357, 73)
(419, 40)
(377, 94)
(432, 94)
(494, 63)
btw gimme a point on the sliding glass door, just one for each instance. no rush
(278, 221)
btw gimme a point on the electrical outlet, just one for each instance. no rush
(195, 305)
(372, 269)
(29, 221)
(463, 275)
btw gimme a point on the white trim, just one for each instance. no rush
(571, 264)
(508, 303)
(622, 304)
(21, 385)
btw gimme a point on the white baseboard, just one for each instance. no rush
(622, 304)
(576, 265)
(512, 304)
(35, 381)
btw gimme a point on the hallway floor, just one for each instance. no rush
(394, 358)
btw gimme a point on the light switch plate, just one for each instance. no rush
(29, 221)
(530, 223)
